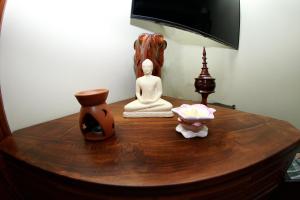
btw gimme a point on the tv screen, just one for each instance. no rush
(216, 19)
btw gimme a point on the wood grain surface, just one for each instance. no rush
(244, 155)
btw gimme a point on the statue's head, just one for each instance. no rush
(147, 66)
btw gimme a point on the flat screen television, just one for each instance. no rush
(216, 19)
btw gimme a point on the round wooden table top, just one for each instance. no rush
(148, 152)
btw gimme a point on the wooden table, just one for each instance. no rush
(244, 156)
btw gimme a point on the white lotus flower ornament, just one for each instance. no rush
(190, 118)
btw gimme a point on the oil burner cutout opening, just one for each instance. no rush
(90, 124)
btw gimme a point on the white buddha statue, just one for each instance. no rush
(148, 93)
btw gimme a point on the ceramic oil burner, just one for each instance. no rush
(96, 121)
(192, 119)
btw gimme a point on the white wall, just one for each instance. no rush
(50, 49)
(263, 76)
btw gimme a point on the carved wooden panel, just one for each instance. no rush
(149, 46)
(7, 188)
(2, 5)
(4, 128)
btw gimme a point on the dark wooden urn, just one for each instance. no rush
(204, 83)
(95, 120)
